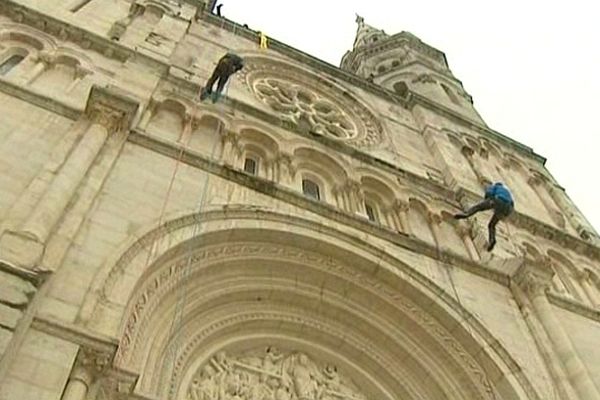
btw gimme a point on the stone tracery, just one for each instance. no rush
(317, 106)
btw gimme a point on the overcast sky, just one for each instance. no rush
(532, 67)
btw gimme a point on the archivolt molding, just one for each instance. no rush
(47, 42)
(168, 279)
(306, 99)
(360, 343)
(177, 231)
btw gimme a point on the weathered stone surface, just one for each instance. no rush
(309, 210)
(5, 337)
(9, 317)
(15, 291)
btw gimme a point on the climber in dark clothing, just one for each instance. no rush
(497, 198)
(227, 66)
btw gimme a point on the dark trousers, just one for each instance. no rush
(501, 209)
(222, 72)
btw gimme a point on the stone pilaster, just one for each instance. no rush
(231, 148)
(284, 165)
(44, 61)
(465, 234)
(107, 113)
(538, 183)
(534, 278)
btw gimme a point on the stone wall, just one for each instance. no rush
(140, 248)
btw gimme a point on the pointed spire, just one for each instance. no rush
(366, 34)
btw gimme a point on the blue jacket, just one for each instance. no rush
(499, 191)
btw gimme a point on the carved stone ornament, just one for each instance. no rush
(307, 100)
(111, 109)
(269, 374)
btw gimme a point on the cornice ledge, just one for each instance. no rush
(416, 98)
(35, 278)
(305, 58)
(574, 306)
(112, 107)
(326, 141)
(84, 38)
(40, 100)
(394, 41)
(279, 192)
(77, 335)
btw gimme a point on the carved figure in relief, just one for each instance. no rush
(268, 374)
(228, 65)
(303, 379)
(497, 198)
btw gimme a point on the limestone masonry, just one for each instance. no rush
(293, 241)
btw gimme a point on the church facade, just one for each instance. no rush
(293, 241)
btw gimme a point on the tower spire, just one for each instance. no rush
(366, 33)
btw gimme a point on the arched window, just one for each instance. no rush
(311, 189)
(395, 63)
(450, 94)
(372, 211)
(10, 63)
(251, 165)
(381, 69)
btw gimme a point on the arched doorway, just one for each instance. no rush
(252, 304)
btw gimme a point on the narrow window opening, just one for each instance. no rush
(311, 189)
(450, 94)
(371, 213)
(10, 63)
(251, 166)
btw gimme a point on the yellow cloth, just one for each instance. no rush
(263, 43)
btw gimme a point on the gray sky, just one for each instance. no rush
(532, 67)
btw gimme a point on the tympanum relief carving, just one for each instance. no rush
(269, 374)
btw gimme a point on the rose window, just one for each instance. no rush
(299, 104)
(312, 101)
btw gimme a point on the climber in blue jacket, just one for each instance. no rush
(497, 198)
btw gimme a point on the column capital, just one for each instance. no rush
(534, 277)
(111, 108)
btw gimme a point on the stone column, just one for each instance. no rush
(230, 148)
(465, 234)
(80, 74)
(78, 384)
(90, 365)
(148, 114)
(570, 210)
(401, 211)
(188, 128)
(587, 283)
(391, 218)
(355, 197)
(120, 27)
(434, 222)
(475, 163)
(338, 195)
(106, 113)
(534, 278)
(44, 61)
(537, 182)
(285, 169)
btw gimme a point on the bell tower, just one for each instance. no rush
(403, 63)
